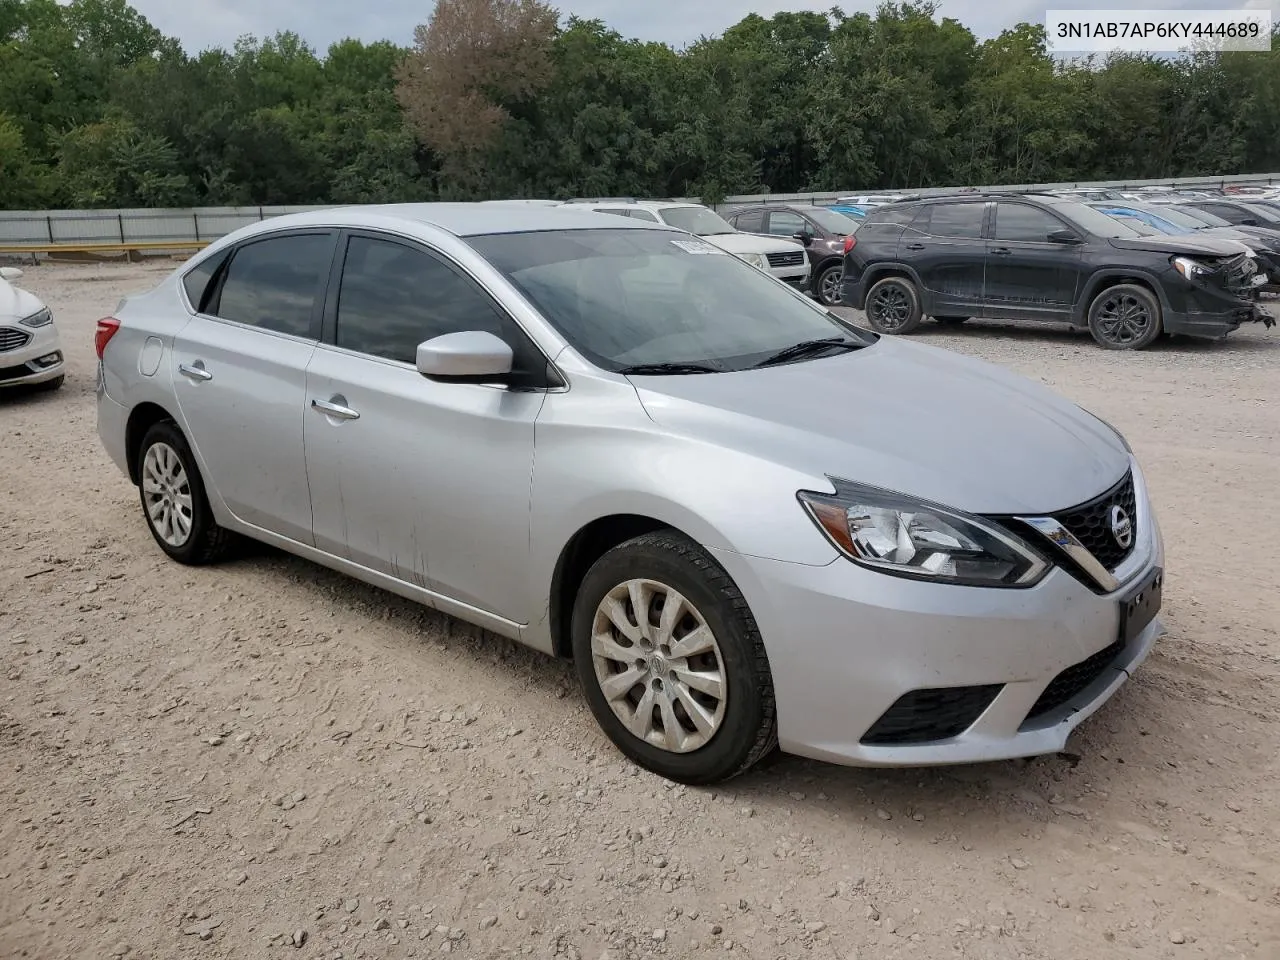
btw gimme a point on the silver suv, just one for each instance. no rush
(784, 259)
(746, 521)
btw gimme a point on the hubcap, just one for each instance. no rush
(891, 307)
(829, 289)
(1123, 319)
(167, 494)
(659, 666)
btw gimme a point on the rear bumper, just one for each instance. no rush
(113, 422)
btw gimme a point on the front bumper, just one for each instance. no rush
(1207, 309)
(846, 644)
(38, 360)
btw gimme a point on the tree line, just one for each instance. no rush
(504, 98)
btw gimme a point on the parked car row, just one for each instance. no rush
(1052, 258)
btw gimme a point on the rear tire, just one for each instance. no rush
(174, 502)
(826, 285)
(684, 690)
(1125, 317)
(893, 306)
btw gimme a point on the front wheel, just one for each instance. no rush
(827, 285)
(1125, 317)
(893, 305)
(671, 662)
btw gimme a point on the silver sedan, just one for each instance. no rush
(748, 523)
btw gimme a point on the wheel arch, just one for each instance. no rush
(1105, 279)
(587, 545)
(141, 419)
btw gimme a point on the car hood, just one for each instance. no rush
(1195, 245)
(904, 417)
(752, 243)
(16, 303)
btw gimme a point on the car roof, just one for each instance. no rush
(624, 202)
(463, 219)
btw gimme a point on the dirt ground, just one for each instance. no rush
(266, 759)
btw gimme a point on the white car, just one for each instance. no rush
(783, 259)
(30, 353)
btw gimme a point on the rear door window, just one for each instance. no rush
(960, 220)
(276, 284)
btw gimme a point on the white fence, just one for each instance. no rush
(202, 224)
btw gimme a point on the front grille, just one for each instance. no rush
(786, 259)
(1072, 681)
(11, 339)
(1090, 523)
(923, 716)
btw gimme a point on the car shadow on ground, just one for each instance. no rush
(921, 802)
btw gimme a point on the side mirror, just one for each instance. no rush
(470, 356)
(803, 236)
(1063, 236)
(10, 273)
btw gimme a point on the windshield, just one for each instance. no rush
(1095, 221)
(1175, 217)
(1204, 216)
(1138, 226)
(699, 220)
(629, 297)
(832, 221)
(1264, 208)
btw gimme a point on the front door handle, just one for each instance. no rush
(335, 407)
(915, 246)
(195, 371)
(1001, 251)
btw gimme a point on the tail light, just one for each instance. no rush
(107, 328)
(849, 242)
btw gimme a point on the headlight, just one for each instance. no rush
(756, 260)
(1189, 268)
(911, 538)
(41, 318)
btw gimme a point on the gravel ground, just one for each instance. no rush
(268, 760)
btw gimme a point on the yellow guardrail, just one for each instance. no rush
(126, 247)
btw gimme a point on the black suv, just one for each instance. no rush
(822, 232)
(1041, 257)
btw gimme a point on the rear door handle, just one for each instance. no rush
(335, 407)
(915, 246)
(195, 371)
(1001, 251)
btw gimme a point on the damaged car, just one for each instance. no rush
(1007, 256)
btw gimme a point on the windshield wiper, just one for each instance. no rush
(809, 348)
(668, 368)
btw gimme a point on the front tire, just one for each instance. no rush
(174, 503)
(1125, 317)
(826, 285)
(893, 306)
(683, 689)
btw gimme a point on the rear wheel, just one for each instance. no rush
(671, 662)
(827, 285)
(1125, 317)
(893, 305)
(174, 501)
